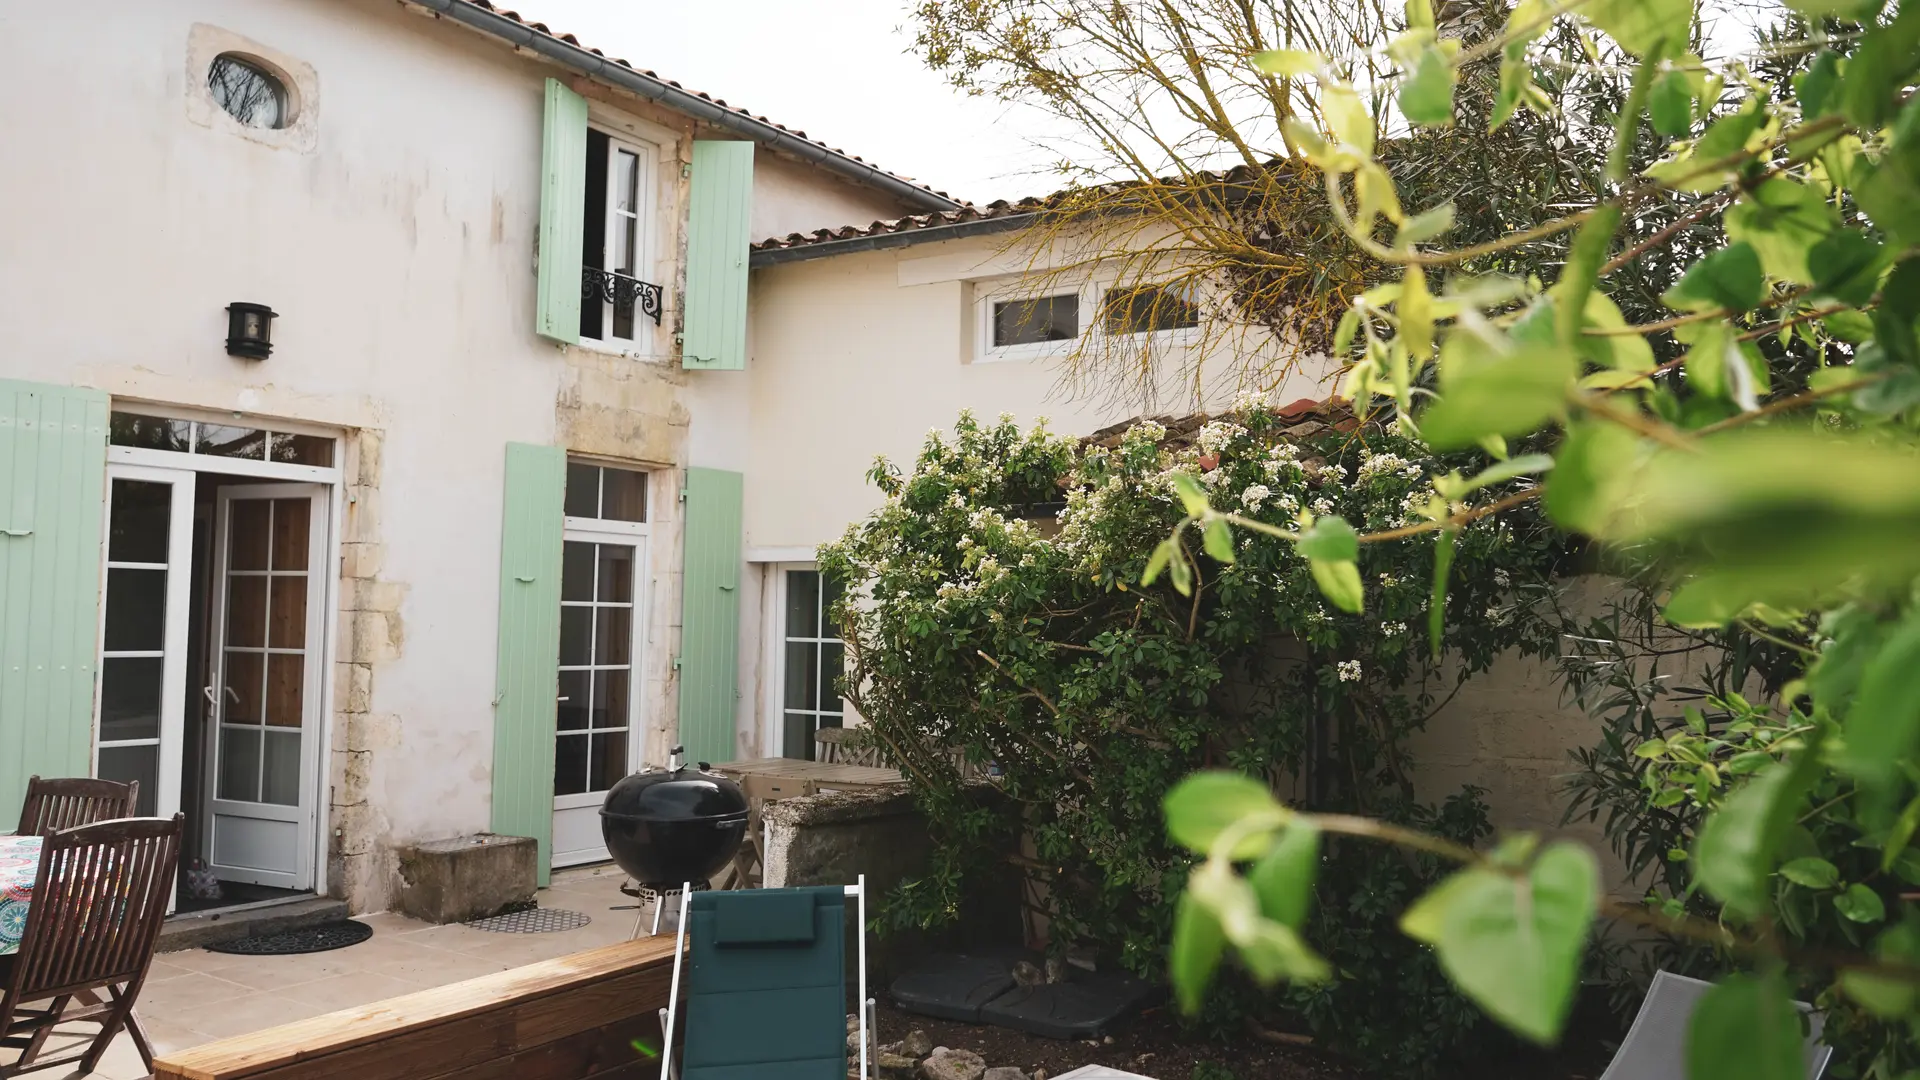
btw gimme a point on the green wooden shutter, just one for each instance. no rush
(718, 236)
(527, 675)
(710, 613)
(563, 195)
(53, 477)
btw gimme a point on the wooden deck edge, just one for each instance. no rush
(380, 1021)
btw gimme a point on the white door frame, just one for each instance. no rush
(305, 814)
(635, 535)
(330, 477)
(173, 678)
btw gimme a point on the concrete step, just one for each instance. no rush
(199, 929)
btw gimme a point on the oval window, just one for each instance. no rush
(248, 92)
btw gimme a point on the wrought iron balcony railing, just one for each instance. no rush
(623, 292)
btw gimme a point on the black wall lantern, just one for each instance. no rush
(250, 330)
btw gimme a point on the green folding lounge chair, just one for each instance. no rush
(766, 987)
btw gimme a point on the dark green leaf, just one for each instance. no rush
(1884, 724)
(1437, 605)
(1860, 11)
(1888, 995)
(1846, 266)
(1671, 103)
(1815, 86)
(1811, 872)
(1513, 943)
(1727, 278)
(1198, 944)
(1648, 29)
(1283, 878)
(1200, 807)
(1426, 95)
(1509, 394)
(1735, 853)
(1218, 538)
(1861, 904)
(1745, 1028)
(1893, 320)
(1329, 538)
(1339, 582)
(1901, 834)
(1879, 67)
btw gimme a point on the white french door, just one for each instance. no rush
(597, 724)
(141, 725)
(270, 542)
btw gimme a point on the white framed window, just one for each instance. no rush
(620, 301)
(1125, 310)
(1016, 323)
(806, 659)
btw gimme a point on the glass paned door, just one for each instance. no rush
(269, 600)
(596, 730)
(813, 660)
(143, 634)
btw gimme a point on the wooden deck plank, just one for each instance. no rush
(465, 1022)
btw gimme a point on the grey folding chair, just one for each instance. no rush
(1656, 1045)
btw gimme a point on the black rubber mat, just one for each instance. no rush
(334, 935)
(953, 986)
(1083, 1007)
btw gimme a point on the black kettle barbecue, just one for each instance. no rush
(673, 825)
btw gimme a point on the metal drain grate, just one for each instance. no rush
(311, 939)
(533, 921)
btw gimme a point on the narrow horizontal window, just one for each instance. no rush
(1145, 309)
(1036, 320)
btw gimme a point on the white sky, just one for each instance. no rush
(837, 70)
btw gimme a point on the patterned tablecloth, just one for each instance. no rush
(19, 864)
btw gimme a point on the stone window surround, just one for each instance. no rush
(300, 134)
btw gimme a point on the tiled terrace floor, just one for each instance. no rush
(197, 996)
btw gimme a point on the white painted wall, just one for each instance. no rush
(859, 355)
(396, 237)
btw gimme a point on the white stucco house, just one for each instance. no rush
(412, 420)
(368, 465)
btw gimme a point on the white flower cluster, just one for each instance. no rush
(1214, 435)
(1502, 579)
(1250, 401)
(1349, 670)
(1255, 495)
(1146, 431)
(1392, 629)
(1374, 465)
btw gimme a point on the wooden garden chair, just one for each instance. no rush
(98, 901)
(53, 805)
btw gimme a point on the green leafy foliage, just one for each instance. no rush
(1745, 1028)
(1127, 688)
(1513, 941)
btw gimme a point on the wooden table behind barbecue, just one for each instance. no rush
(817, 773)
(562, 1019)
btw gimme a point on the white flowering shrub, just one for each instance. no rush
(1031, 645)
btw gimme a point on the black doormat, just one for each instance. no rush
(333, 935)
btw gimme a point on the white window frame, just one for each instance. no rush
(1154, 339)
(774, 664)
(636, 536)
(1016, 291)
(646, 268)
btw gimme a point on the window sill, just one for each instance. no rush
(602, 348)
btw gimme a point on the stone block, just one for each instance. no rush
(465, 877)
